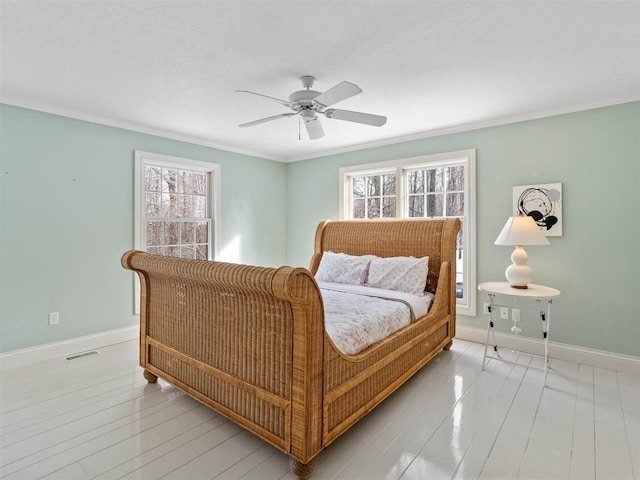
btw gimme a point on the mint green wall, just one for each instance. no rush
(66, 216)
(596, 156)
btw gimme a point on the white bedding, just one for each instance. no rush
(356, 317)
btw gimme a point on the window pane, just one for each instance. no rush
(173, 251)
(154, 233)
(155, 250)
(202, 252)
(169, 180)
(389, 184)
(187, 232)
(185, 184)
(416, 206)
(455, 178)
(187, 251)
(358, 208)
(171, 233)
(199, 207)
(359, 187)
(153, 204)
(199, 183)
(455, 204)
(389, 207)
(434, 205)
(169, 205)
(373, 186)
(435, 179)
(202, 232)
(373, 208)
(185, 206)
(415, 181)
(152, 178)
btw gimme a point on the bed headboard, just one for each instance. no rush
(435, 238)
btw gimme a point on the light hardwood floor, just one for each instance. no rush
(96, 417)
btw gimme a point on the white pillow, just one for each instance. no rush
(402, 274)
(343, 268)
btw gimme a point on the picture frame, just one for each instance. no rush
(542, 202)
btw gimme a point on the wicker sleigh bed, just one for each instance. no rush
(250, 341)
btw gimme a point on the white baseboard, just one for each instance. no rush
(49, 351)
(588, 356)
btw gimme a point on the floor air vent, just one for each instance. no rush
(80, 355)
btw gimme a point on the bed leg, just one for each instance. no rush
(448, 345)
(150, 377)
(301, 470)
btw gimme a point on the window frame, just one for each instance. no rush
(468, 304)
(142, 159)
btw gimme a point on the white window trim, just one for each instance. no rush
(140, 159)
(402, 165)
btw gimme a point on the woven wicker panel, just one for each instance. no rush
(347, 404)
(396, 238)
(257, 411)
(243, 333)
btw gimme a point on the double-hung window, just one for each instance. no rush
(430, 186)
(177, 204)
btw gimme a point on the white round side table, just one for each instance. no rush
(538, 293)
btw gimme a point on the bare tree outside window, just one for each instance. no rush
(439, 192)
(176, 212)
(374, 196)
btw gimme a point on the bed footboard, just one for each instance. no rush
(247, 341)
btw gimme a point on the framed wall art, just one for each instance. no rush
(543, 203)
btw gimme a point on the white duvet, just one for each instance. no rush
(357, 317)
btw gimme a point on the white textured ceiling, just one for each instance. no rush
(172, 67)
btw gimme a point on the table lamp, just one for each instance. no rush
(520, 231)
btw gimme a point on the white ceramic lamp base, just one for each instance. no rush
(519, 274)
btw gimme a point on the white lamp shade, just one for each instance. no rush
(521, 231)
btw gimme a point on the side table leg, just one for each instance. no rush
(546, 340)
(544, 316)
(489, 330)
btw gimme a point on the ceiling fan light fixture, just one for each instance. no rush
(308, 115)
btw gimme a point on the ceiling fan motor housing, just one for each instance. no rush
(302, 98)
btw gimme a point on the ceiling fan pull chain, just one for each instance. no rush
(299, 127)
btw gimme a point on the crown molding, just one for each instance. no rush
(132, 127)
(351, 148)
(472, 126)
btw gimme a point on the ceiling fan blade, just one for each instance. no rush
(336, 94)
(314, 128)
(357, 117)
(268, 119)
(280, 101)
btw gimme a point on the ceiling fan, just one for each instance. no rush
(309, 103)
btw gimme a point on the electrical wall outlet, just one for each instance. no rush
(54, 318)
(485, 308)
(515, 314)
(504, 313)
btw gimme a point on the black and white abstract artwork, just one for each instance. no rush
(543, 203)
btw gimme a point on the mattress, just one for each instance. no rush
(356, 317)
